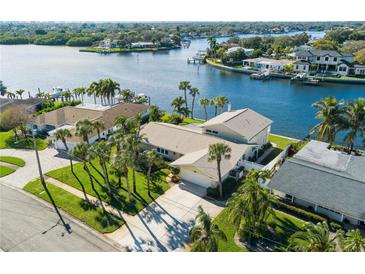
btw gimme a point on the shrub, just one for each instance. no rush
(175, 119)
(335, 226)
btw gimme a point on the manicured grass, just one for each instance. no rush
(120, 199)
(281, 141)
(186, 121)
(7, 140)
(85, 212)
(284, 226)
(12, 160)
(4, 170)
(271, 156)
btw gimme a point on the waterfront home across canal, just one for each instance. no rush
(262, 63)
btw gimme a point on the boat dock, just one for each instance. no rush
(198, 58)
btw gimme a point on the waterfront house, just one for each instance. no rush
(108, 43)
(262, 63)
(329, 182)
(327, 62)
(244, 131)
(68, 116)
(248, 52)
(143, 45)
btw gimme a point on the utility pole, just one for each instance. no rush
(66, 226)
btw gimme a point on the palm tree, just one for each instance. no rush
(221, 102)
(151, 158)
(312, 238)
(155, 114)
(185, 85)
(178, 107)
(93, 90)
(102, 151)
(123, 160)
(20, 93)
(98, 126)
(214, 102)
(205, 102)
(353, 241)
(3, 88)
(127, 95)
(193, 92)
(83, 129)
(80, 92)
(213, 45)
(109, 88)
(353, 119)
(329, 111)
(218, 152)
(205, 234)
(62, 134)
(10, 95)
(67, 95)
(250, 207)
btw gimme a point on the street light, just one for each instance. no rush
(66, 226)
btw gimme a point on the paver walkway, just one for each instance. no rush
(50, 159)
(164, 224)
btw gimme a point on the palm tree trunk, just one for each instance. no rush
(206, 114)
(119, 182)
(106, 177)
(94, 99)
(130, 198)
(94, 189)
(220, 179)
(192, 108)
(134, 180)
(215, 110)
(186, 99)
(149, 180)
(64, 143)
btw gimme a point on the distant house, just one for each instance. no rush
(31, 103)
(248, 52)
(143, 45)
(327, 62)
(266, 63)
(108, 43)
(330, 182)
(68, 116)
(244, 131)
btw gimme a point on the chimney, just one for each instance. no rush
(229, 107)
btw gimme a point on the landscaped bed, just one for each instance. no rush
(12, 160)
(186, 121)
(85, 212)
(4, 170)
(120, 200)
(8, 140)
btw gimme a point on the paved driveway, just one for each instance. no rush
(164, 224)
(50, 159)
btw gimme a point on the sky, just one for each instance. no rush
(182, 10)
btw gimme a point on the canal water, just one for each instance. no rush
(157, 75)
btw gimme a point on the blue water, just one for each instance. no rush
(158, 74)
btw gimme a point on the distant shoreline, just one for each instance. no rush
(125, 50)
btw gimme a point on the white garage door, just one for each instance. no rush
(196, 178)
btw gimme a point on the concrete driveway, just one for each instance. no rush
(50, 159)
(164, 224)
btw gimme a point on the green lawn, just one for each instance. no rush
(12, 160)
(186, 121)
(7, 140)
(284, 226)
(271, 156)
(120, 200)
(281, 141)
(85, 212)
(4, 170)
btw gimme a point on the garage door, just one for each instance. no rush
(196, 178)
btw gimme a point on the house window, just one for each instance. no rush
(162, 151)
(208, 130)
(215, 132)
(326, 58)
(335, 59)
(318, 58)
(296, 67)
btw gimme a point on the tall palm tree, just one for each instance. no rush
(83, 129)
(217, 152)
(205, 102)
(123, 160)
(151, 158)
(102, 151)
(213, 46)
(353, 241)
(178, 106)
(3, 88)
(185, 86)
(92, 90)
(312, 238)
(205, 234)
(111, 88)
(80, 92)
(67, 95)
(221, 102)
(10, 95)
(214, 102)
(353, 120)
(329, 111)
(127, 95)
(61, 135)
(20, 93)
(250, 207)
(193, 92)
(98, 126)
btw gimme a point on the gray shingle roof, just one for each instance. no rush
(318, 52)
(334, 183)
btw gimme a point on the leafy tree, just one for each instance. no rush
(3, 88)
(329, 111)
(325, 44)
(312, 238)
(178, 106)
(127, 95)
(13, 118)
(83, 129)
(205, 102)
(352, 241)
(205, 234)
(62, 134)
(360, 56)
(185, 86)
(193, 92)
(218, 152)
(155, 114)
